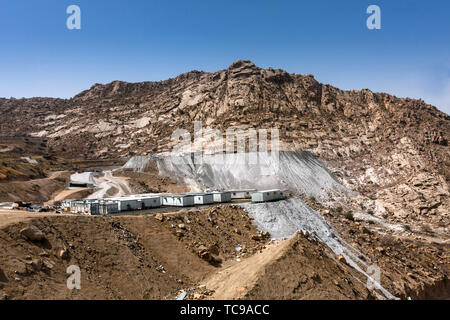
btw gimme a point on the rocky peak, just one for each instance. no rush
(242, 64)
(243, 69)
(103, 90)
(277, 75)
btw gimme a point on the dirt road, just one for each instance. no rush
(74, 194)
(110, 185)
(235, 278)
(9, 217)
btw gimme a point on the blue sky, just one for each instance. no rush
(140, 40)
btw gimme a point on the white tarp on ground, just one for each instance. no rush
(82, 178)
(298, 171)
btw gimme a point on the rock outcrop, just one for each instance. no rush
(393, 151)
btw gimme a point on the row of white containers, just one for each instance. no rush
(148, 201)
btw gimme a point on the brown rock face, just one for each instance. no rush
(394, 151)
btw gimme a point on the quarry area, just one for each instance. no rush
(355, 205)
(237, 244)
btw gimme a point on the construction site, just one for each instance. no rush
(212, 231)
(146, 202)
(228, 158)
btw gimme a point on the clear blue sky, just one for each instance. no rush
(139, 40)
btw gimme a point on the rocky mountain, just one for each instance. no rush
(392, 151)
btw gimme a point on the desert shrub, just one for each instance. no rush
(349, 216)
(142, 184)
(427, 230)
(407, 228)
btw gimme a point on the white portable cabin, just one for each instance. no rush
(75, 206)
(147, 200)
(242, 194)
(78, 206)
(87, 207)
(127, 204)
(177, 200)
(93, 208)
(203, 198)
(142, 195)
(267, 195)
(82, 180)
(222, 196)
(150, 202)
(66, 204)
(109, 207)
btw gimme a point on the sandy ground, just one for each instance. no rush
(8, 217)
(141, 257)
(233, 280)
(74, 194)
(129, 257)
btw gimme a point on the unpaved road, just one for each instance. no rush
(235, 278)
(65, 194)
(74, 193)
(8, 217)
(109, 182)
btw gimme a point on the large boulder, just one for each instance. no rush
(32, 233)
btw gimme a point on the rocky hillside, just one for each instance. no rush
(393, 151)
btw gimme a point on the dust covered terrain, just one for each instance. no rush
(366, 177)
(211, 253)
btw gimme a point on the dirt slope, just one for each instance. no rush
(307, 269)
(235, 279)
(154, 257)
(37, 190)
(120, 258)
(74, 194)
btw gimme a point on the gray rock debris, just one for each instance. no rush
(297, 171)
(282, 219)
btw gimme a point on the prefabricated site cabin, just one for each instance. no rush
(91, 207)
(75, 206)
(242, 194)
(222, 196)
(74, 184)
(65, 205)
(177, 200)
(267, 195)
(82, 180)
(150, 202)
(108, 207)
(88, 207)
(143, 195)
(127, 204)
(203, 198)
